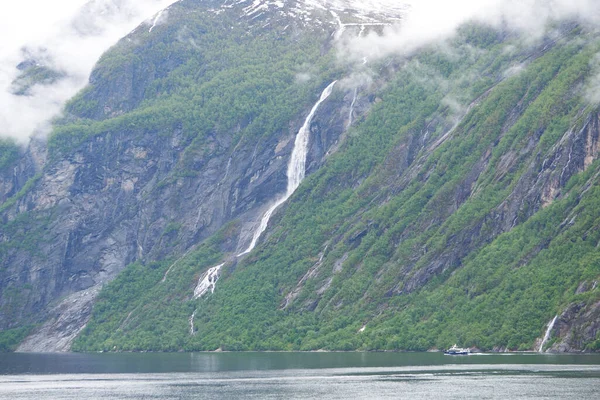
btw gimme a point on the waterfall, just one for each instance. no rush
(352, 107)
(156, 20)
(547, 335)
(338, 33)
(207, 281)
(296, 169)
(191, 321)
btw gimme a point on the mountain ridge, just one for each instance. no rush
(421, 177)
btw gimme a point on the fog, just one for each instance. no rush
(67, 37)
(429, 21)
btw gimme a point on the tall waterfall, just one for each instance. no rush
(296, 169)
(547, 335)
(296, 172)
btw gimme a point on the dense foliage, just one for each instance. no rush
(209, 78)
(10, 339)
(9, 153)
(401, 241)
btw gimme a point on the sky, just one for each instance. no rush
(66, 37)
(70, 40)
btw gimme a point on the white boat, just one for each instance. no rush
(457, 351)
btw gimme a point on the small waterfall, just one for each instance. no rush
(227, 170)
(207, 281)
(191, 320)
(547, 335)
(338, 33)
(296, 169)
(156, 20)
(352, 106)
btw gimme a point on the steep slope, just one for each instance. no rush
(451, 196)
(433, 224)
(185, 128)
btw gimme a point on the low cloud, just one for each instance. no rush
(430, 21)
(303, 77)
(592, 90)
(358, 79)
(65, 39)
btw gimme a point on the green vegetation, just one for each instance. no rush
(9, 153)
(399, 229)
(10, 339)
(232, 82)
(24, 190)
(35, 75)
(451, 213)
(120, 317)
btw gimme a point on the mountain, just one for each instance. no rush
(451, 193)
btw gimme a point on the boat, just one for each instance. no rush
(457, 351)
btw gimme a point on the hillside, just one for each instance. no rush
(451, 194)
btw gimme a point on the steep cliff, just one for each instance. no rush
(132, 176)
(452, 194)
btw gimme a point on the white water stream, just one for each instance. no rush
(208, 281)
(352, 107)
(191, 321)
(156, 19)
(296, 172)
(296, 169)
(547, 335)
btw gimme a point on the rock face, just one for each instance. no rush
(157, 156)
(119, 197)
(107, 205)
(63, 323)
(31, 162)
(576, 327)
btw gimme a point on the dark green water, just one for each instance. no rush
(298, 376)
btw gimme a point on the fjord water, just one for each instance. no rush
(298, 376)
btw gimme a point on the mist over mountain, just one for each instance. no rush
(301, 175)
(48, 54)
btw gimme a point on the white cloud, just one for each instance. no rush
(70, 36)
(429, 21)
(76, 32)
(592, 90)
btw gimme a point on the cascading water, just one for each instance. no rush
(156, 19)
(191, 321)
(208, 281)
(296, 172)
(547, 335)
(352, 106)
(296, 169)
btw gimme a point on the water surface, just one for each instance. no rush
(298, 376)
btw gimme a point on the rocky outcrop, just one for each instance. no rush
(116, 199)
(31, 161)
(576, 328)
(127, 195)
(63, 324)
(122, 193)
